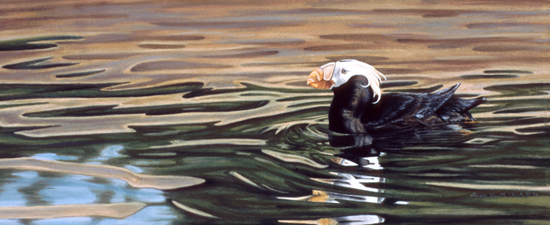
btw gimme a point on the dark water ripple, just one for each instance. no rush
(32, 65)
(26, 43)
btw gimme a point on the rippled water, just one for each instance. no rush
(197, 112)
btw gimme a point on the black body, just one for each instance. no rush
(352, 110)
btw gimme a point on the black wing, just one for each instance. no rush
(398, 107)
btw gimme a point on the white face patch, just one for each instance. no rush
(345, 69)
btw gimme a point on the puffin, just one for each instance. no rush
(359, 107)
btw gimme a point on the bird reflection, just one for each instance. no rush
(392, 140)
(364, 149)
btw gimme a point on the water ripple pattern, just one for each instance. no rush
(198, 112)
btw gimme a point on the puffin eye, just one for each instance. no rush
(344, 71)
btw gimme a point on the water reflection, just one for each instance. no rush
(348, 220)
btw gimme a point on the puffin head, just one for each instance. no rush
(334, 74)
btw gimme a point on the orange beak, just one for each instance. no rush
(321, 78)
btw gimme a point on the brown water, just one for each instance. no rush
(197, 112)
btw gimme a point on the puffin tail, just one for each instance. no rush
(455, 103)
(461, 105)
(464, 105)
(456, 108)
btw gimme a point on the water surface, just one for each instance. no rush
(198, 112)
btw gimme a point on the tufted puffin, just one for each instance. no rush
(359, 107)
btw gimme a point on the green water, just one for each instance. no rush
(438, 174)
